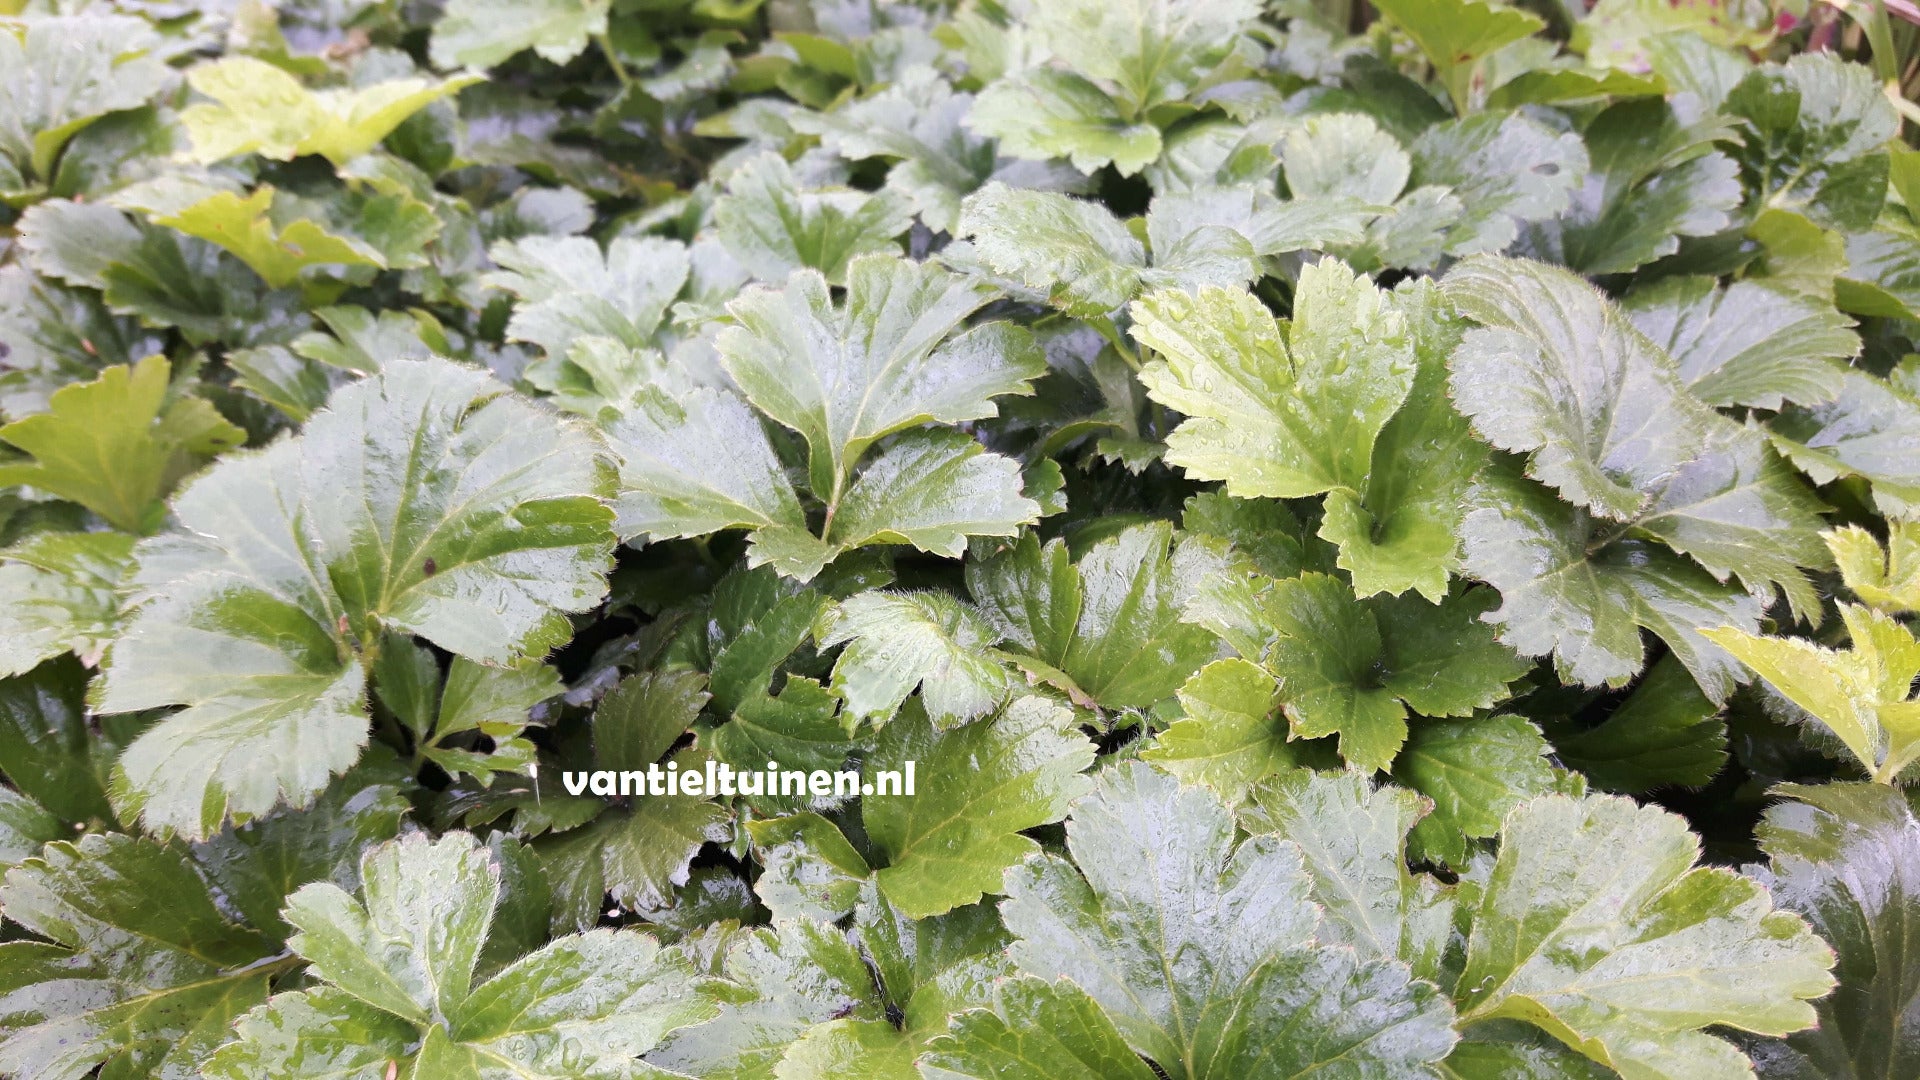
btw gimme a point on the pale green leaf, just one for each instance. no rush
(1746, 344)
(1871, 430)
(1152, 50)
(58, 74)
(1570, 587)
(59, 593)
(1559, 373)
(482, 33)
(1596, 926)
(1505, 169)
(1201, 952)
(1109, 626)
(1043, 113)
(117, 445)
(261, 109)
(883, 361)
(1278, 409)
(1456, 35)
(701, 464)
(1233, 734)
(1402, 532)
(400, 966)
(1035, 1031)
(476, 524)
(1861, 694)
(1887, 577)
(897, 642)
(774, 227)
(1353, 838)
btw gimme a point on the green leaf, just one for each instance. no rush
(701, 464)
(1202, 952)
(1596, 926)
(845, 377)
(1233, 733)
(1122, 60)
(640, 852)
(1476, 771)
(482, 33)
(1403, 531)
(1354, 668)
(1035, 1031)
(25, 827)
(1812, 136)
(1844, 856)
(1871, 430)
(277, 253)
(49, 750)
(811, 871)
(1108, 629)
(1457, 34)
(57, 336)
(773, 227)
(1152, 50)
(59, 593)
(1655, 177)
(637, 856)
(116, 445)
(916, 122)
(260, 109)
(138, 964)
(925, 971)
(1353, 839)
(1572, 587)
(1043, 113)
(1746, 344)
(1279, 410)
(58, 74)
(1506, 170)
(1088, 263)
(791, 976)
(896, 642)
(1557, 372)
(801, 728)
(757, 621)
(360, 340)
(1887, 578)
(475, 523)
(493, 703)
(165, 277)
(400, 966)
(258, 865)
(1880, 275)
(570, 291)
(1083, 258)
(949, 843)
(1666, 732)
(1624, 438)
(1861, 695)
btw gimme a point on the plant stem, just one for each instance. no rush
(613, 60)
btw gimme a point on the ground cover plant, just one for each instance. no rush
(1389, 536)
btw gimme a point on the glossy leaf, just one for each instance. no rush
(478, 530)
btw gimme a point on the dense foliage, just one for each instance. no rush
(1391, 541)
